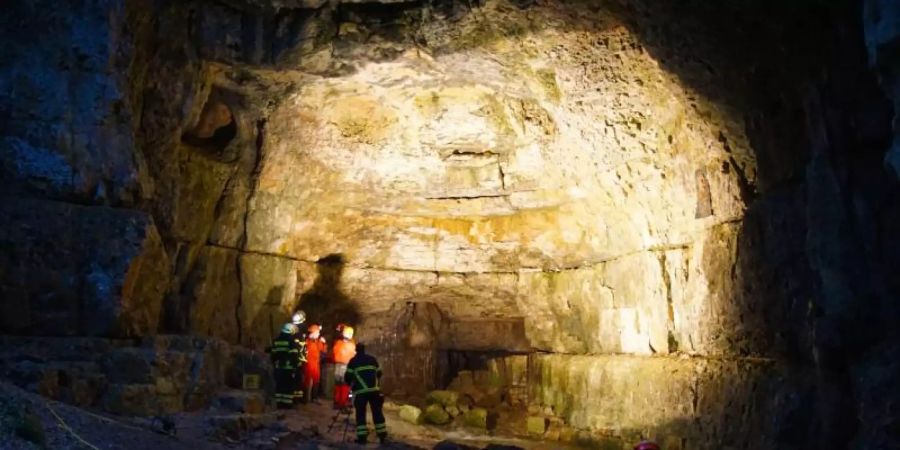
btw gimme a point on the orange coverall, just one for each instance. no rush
(344, 350)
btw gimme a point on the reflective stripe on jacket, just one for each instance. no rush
(285, 352)
(362, 374)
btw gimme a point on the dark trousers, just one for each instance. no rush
(285, 387)
(375, 401)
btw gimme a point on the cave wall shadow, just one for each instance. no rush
(813, 270)
(325, 302)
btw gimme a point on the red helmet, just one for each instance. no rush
(646, 445)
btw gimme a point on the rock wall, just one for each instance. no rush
(612, 183)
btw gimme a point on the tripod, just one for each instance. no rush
(337, 416)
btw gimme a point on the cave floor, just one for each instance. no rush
(407, 435)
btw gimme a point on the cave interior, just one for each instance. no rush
(625, 219)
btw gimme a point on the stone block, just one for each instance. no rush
(131, 400)
(128, 366)
(411, 414)
(536, 425)
(247, 402)
(443, 398)
(435, 414)
(79, 270)
(476, 418)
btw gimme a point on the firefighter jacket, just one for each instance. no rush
(343, 351)
(300, 342)
(362, 374)
(285, 352)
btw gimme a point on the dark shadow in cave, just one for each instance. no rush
(325, 303)
(811, 284)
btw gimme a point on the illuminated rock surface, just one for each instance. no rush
(685, 213)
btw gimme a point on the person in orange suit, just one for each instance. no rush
(344, 350)
(312, 371)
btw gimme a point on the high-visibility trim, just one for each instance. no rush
(380, 427)
(366, 390)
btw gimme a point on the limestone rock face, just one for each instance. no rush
(164, 374)
(67, 129)
(620, 185)
(105, 274)
(882, 32)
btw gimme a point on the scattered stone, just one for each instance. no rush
(443, 398)
(248, 402)
(411, 414)
(476, 418)
(391, 406)
(453, 411)
(536, 425)
(435, 414)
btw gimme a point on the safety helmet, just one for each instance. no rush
(289, 328)
(646, 445)
(298, 317)
(347, 332)
(314, 328)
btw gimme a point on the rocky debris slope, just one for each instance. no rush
(161, 375)
(28, 421)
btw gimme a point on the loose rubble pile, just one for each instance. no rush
(154, 376)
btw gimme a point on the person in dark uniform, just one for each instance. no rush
(285, 356)
(363, 374)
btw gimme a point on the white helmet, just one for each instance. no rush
(298, 317)
(289, 328)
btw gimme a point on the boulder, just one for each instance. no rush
(131, 400)
(443, 398)
(411, 414)
(476, 418)
(536, 425)
(435, 414)
(248, 402)
(453, 411)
